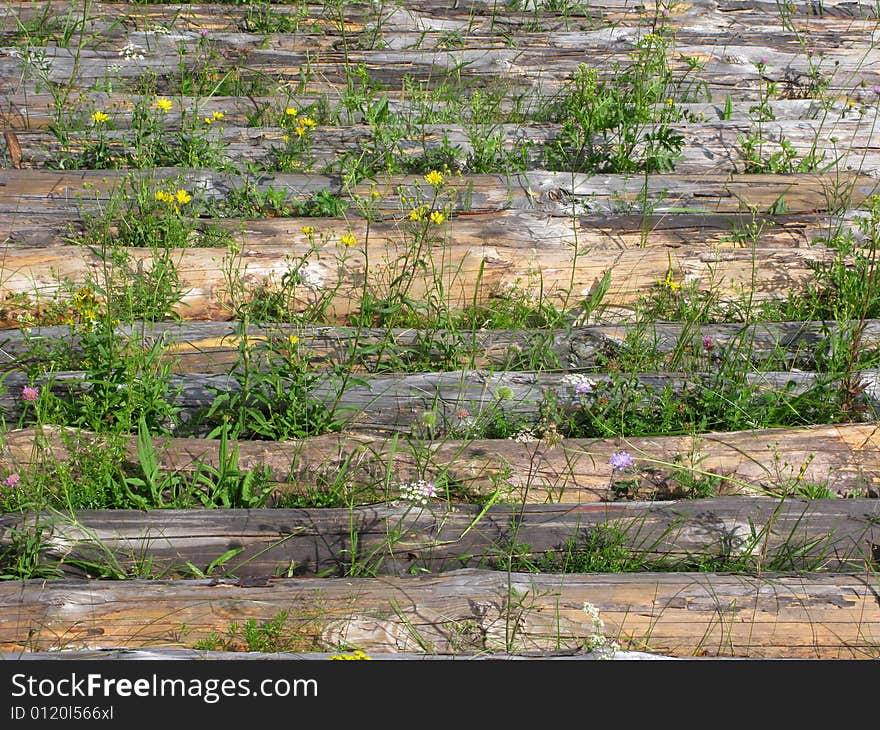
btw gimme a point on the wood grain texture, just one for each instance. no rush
(328, 279)
(772, 615)
(213, 347)
(400, 538)
(397, 402)
(710, 146)
(845, 459)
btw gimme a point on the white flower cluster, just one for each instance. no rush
(581, 383)
(132, 52)
(523, 437)
(418, 492)
(597, 639)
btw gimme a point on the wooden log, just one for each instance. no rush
(708, 147)
(166, 654)
(843, 460)
(40, 192)
(431, 403)
(329, 278)
(771, 615)
(520, 228)
(400, 538)
(538, 69)
(214, 347)
(28, 112)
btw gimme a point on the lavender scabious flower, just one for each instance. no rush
(30, 393)
(11, 480)
(621, 460)
(708, 343)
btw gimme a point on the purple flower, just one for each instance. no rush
(621, 460)
(204, 32)
(876, 90)
(708, 343)
(762, 60)
(11, 480)
(583, 388)
(29, 393)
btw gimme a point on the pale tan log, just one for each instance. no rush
(469, 274)
(819, 535)
(845, 459)
(240, 653)
(772, 615)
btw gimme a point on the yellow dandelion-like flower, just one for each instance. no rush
(308, 230)
(285, 138)
(418, 214)
(218, 115)
(437, 217)
(164, 197)
(434, 178)
(308, 122)
(163, 104)
(347, 239)
(208, 120)
(293, 339)
(100, 117)
(182, 197)
(300, 131)
(291, 111)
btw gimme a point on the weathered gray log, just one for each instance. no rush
(28, 112)
(40, 192)
(535, 68)
(431, 404)
(520, 229)
(843, 460)
(715, 146)
(401, 538)
(213, 347)
(771, 615)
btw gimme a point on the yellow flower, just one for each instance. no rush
(209, 120)
(308, 230)
(100, 117)
(285, 137)
(347, 239)
(182, 197)
(218, 115)
(300, 131)
(308, 122)
(291, 112)
(163, 104)
(669, 283)
(437, 217)
(164, 197)
(293, 339)
(434, 178)
(418, 214)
